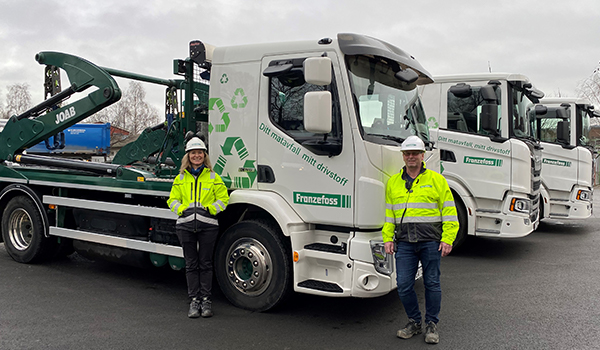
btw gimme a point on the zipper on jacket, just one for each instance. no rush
(414, 182)
(195, 201)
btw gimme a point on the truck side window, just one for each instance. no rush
(286, 105)
(548, 126)
(464, 112)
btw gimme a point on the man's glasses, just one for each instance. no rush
(411, 153)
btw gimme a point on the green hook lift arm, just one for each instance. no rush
(32, 126)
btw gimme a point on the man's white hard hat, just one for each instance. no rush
(194, 143)
(413, 143)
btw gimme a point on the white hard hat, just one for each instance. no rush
(194, 143)
(413, 143)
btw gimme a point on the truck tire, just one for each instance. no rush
(253, 266)
(463, 229)
(23, 231)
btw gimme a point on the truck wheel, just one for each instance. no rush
(462, 234)
(23, 231)
(252, 265)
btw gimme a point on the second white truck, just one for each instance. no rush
(481, 125)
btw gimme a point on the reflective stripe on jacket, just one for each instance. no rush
(198, 199)
(423, 212)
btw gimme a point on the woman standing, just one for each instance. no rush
(197, 195)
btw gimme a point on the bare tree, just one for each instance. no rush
(589, 88)
(18, 100)
(132, 114)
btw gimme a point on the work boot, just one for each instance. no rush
(431, 333)
(410, 329)
(194, 308)
(206, 307)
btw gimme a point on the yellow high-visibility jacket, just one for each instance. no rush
(423, 212)
(197, 199)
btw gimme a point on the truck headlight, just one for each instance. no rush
(584, 195)
(384, 263)
(520, 205)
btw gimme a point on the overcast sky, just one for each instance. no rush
(554, 43)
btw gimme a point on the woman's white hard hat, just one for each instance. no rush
(413, 143)
(195, 143)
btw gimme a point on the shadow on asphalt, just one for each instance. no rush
(492, 248)
(563, 228)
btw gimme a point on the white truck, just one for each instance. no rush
(480, 123)
(304, 134)
(562, 124)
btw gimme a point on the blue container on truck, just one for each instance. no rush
(84, 139)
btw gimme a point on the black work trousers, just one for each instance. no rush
(198, 254)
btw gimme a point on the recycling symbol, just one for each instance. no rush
(225, 116)
(248, 168)
(239, 93)
(432, 123)
(224, 79)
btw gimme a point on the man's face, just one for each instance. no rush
(413, 159)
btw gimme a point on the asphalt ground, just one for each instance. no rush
(537, 292)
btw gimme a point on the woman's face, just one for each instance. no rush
(196, 158)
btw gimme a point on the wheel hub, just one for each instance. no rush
(20, 229)
(249, 266)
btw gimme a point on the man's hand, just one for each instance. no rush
(444, 247)
(389, 247)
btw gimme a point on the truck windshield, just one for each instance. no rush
(385, 108)
(523, 110)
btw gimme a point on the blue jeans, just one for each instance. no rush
(407, 263)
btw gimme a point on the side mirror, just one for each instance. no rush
(488, 93)
(562, 113)
(540, 111)
(461, 90)
(562, 132)
(317, 112)
(489, 118)
(534, 93)
(317, 70)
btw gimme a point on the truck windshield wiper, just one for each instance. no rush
(389, 137)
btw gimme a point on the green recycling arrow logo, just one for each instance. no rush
(225, 116)
(224, 79)
(249, 169)
(239, 93)
(432, 123)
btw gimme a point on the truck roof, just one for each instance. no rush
(559, 100)
(351, 44)
(255, 52)
(479, 77)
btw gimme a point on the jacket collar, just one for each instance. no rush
(405, 174)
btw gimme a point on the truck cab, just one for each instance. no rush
(323, 181)
(481, 125)
(563, 125)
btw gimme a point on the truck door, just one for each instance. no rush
(316, 181)
(559, 164)
(467, 151)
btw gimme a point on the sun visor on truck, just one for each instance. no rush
(356, 44)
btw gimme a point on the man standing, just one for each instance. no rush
(420, 225)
